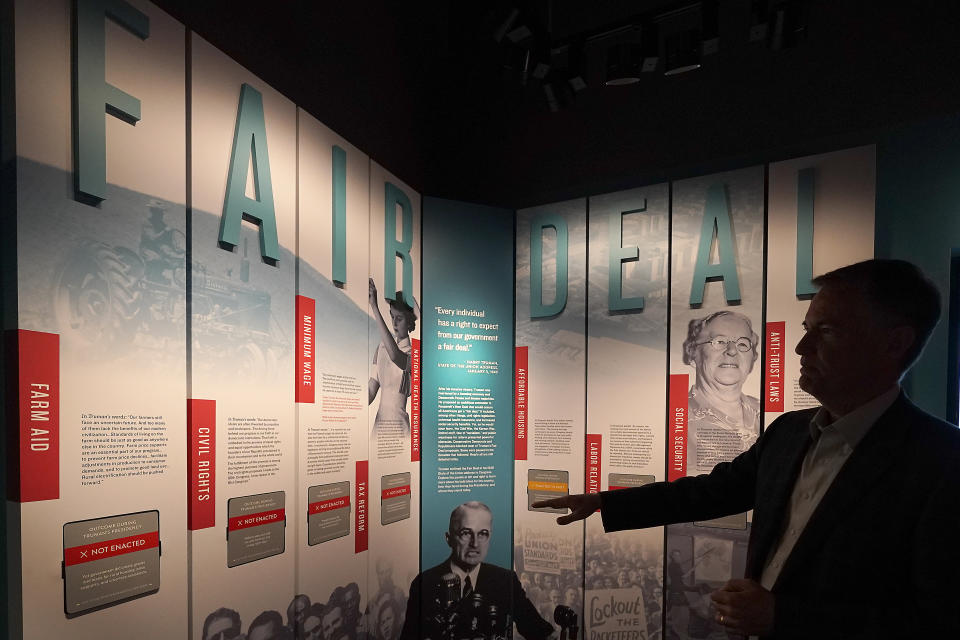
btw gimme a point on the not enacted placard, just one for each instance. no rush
(394, 497)
(328, 512)
(110, 560)
(256, 527)
(545, 484)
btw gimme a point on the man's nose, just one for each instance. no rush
(803, 346)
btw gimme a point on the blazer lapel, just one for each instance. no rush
(869, 461)
(776, 496)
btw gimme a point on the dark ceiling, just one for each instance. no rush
(425, 89)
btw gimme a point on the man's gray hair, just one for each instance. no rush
(471, 504)
(897, 293)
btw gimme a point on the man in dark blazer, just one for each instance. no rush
(856, 523)
(459, 592)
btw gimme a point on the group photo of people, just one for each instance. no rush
(338, 617)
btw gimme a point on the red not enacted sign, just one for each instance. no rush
(360, 517)
(773, 373)
(201, 463)
(593, 466)
(415, 401)
(395, 492)
(328, 505)
(256, 519)
(520, 403)
(306, 365)
(677, 428)
(39, 431)
(110, 548)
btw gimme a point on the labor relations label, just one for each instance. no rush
(593, 462)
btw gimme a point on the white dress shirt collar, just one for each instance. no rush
(854, 426)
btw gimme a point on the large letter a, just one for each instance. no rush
(250, 137)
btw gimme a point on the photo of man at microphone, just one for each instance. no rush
(465, 598)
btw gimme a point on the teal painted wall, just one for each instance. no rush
(918, 219)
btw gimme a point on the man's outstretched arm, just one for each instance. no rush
(726, 490)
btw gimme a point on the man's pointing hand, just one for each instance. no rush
(581, 506)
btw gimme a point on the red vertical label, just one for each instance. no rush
(520, 404)
(39, 389)
(306, 372)
(593, 471)
(773, 390)
(360, 517)
(679, 418)
(415, 401)
(201, 463)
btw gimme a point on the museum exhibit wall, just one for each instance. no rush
(202, 271)
(252, 374)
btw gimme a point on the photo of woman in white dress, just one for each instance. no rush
(390, 371)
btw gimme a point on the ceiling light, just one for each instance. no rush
(682, 52)
(623, 64)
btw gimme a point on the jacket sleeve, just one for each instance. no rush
(728, 489)
(530, 623)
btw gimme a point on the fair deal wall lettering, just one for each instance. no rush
(93, 97)
(716, 227)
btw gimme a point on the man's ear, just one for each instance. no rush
(448, 538)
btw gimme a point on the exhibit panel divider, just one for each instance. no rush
(242, 429)
(626, 410)
(391, 480)
(99, 461)
(468, 415)
(820, 216)
(550, 389)
(332, 371)
(714, 412)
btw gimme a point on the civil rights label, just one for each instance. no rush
(394, 497)
(544, 484)
(328, 512)
(256, 527)
(110, 560)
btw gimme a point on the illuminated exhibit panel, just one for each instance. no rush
(715, 372)
(243, 142)
(100, 233)
(626, 387)
(820, 217)
(393, 389)
(468, 396)
(332, 370)
(551, 377)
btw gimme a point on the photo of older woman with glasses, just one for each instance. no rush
(723, 421)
